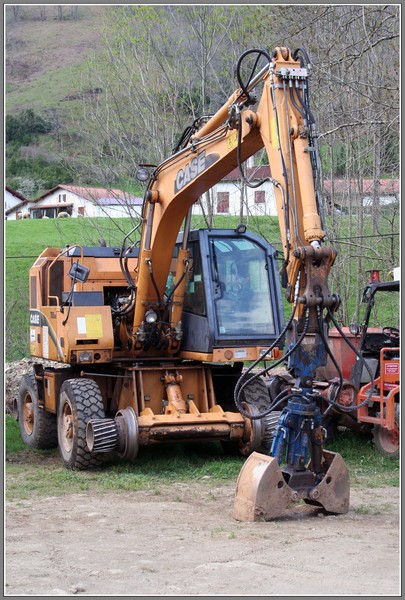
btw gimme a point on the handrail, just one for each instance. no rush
(61, 253)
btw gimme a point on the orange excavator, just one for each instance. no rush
(152, 336)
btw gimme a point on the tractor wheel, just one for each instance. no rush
(80, 401)
(387, 442)
(38, 428)
(257, 398)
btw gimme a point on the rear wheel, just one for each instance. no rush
(386, 441)
(256, 401)
(80, 401)
(38, 428)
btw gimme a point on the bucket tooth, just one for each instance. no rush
(261, 491)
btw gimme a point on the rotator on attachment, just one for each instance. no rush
(265, 489)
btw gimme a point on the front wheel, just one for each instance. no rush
(80, 401)
(38, 428)
(387, 441)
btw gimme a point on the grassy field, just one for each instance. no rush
(27, 238)
(37, 473)
(36, 56)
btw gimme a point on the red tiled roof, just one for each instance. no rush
(339, 186)
(89, 193)
(17, 194)
(345, 186)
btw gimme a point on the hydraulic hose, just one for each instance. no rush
(239, 388)
(260, 52)
(327, 347)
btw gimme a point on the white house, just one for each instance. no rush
(226, 196)
(340, 194)
(76, 201)
(14, 203)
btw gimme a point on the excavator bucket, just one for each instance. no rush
(263, 494)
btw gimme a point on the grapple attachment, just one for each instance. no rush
(264, 491)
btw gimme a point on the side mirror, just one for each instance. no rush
(79, 272)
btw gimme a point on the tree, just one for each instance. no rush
(165, 66)
(147, 99)
(357, 115)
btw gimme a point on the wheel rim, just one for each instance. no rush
(66, 426)
(388, 440)
(28, 413)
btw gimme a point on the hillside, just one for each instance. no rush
(43, 56)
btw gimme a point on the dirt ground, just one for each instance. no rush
(184, 541)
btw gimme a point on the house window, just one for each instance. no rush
(80, 211)
(62, 197)
(260, 197)
(223, 202)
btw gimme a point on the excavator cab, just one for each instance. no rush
(232, 297)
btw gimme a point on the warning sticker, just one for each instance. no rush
(94, 326)
(392, 368)
(81, 325)
(232, 141)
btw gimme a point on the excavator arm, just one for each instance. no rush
(282, 125)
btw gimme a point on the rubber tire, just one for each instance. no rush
(378, 431)
(80, 398)
(257, 394)
(42, 432)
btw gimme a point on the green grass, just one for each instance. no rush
(41, 75)
(27, 238)
(367, 467)
(31, 473)
(25, 241)
(47, 92)
(13, 438)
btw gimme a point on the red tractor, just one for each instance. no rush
(372, 375)
(365, 396)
